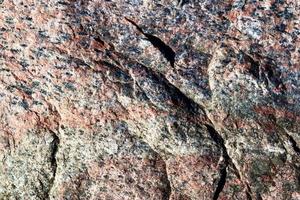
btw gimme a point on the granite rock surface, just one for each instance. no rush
(138, 99)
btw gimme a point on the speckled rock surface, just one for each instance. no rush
(93, 107)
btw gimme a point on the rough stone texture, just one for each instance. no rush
(91, 108)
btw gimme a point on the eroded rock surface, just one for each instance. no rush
(92, 106)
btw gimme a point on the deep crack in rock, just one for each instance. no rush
(221, 183)
(294, 144)
(168, 188)
(223, 171)
(54, 147)
(248, 192)
(166, 50)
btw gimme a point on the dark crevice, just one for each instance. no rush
(221, 183)
(248, 192)
(54, 146)
(168, 189)
(294, 144)
(181, 3)
(223, 172)
(166, 50)
(53, 161)
(219, 140)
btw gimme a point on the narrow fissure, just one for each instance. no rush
(221, 183)
(166, 50)
(168, 189)
(53, 161)
(54, 145)
(248, 192)
(294, 144)
(223, 172)
(219, 140)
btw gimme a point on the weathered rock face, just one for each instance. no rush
(92, 106)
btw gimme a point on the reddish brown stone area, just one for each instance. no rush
(184, 100)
